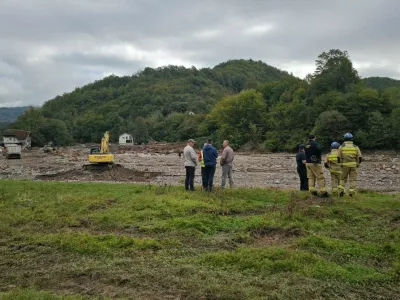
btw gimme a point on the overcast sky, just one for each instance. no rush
(49, 47)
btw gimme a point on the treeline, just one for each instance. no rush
(165, 103)
(252, 104)
(333, 100)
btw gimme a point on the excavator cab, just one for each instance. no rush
(94, 150)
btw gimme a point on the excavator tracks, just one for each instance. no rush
(101, 167)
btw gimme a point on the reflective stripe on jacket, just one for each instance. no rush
(333, 161)
(349, 155)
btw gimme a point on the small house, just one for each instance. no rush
(125, 139)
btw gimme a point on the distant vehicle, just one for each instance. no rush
(13, 151)
(49, 148)
(15, 141)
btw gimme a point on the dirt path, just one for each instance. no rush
(160, 164)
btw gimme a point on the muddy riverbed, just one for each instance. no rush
(161, 164)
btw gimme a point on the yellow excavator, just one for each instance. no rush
(101, 157)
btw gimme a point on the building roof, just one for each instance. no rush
(19, 134)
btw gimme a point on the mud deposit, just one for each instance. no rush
(160, 164)
(119, 173)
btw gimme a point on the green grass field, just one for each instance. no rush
(117, 241)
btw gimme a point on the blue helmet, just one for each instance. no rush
(348, 136)
(335, 145)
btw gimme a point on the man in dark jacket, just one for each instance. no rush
(314, 168)
(301, 168)
(210, 156)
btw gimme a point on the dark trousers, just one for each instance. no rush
(302, 171)
(209, 177)
(189, 181)
(203, 177)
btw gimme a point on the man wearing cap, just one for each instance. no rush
(301, 168)
(190, 164)
(314, 168)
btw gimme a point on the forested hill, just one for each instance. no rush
(162, 91)
(10, 114)
(150, 97)
(381, 83)
(250, 103)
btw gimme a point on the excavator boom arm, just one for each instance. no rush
(105, 143)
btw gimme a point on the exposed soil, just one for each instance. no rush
(274, 236)
(160, 163)
(117, 173)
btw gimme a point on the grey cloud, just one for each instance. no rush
(48, 47)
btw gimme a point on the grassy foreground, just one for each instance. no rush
(95, 241)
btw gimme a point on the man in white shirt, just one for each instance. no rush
(190, 157)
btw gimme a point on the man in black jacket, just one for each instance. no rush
(314, 168)
(210, 156)
(301, 168)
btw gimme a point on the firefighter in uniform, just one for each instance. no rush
(332, 163)
(350, 158)
(314, 168)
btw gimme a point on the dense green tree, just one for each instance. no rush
(330, 126)
(334, 71)
(395, 127)
(357, 105)
(43, 129)
(286, 126)
(56, 131)
(240, 118)
(325, 102)
(393, 95)
(32, 120)
(377, 134)
(139, 130)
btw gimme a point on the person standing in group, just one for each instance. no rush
(210, 156)
(190, 164)
(301, 168)
(226, 163)
(203, 169)
(332, 163)
(350, 159)
(313, 165)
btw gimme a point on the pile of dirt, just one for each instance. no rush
(117, 173)
(154, 148)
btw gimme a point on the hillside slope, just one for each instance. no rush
(10, 114)
(163, 90)
(244, 101)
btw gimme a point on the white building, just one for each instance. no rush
(125, 139)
